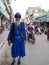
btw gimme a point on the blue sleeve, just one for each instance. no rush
(9, 35)
(23, 30)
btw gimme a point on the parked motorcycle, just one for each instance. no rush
(31, 37)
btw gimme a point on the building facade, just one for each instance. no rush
(4, 13)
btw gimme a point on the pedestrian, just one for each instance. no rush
(19, 40)
(48, 33)
(39, 30)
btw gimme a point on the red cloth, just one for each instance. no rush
(36, 27)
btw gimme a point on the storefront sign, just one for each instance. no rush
(47, 18)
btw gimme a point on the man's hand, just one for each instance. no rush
(9, 43)
(24, 42)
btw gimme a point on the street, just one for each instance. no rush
(36, 54)
(18, 17)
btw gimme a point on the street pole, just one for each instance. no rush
(10, 9)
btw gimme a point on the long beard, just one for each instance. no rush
(17, 23)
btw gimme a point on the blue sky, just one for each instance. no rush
(22, 5)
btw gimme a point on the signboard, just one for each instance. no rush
(3, 10)
(47, 18)
(0, 2)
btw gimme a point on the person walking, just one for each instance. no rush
(48, 33)
(19, 40)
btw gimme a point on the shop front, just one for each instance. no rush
(3, 16)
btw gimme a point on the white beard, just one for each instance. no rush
(17, 23)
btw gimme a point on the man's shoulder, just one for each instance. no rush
(22, 22)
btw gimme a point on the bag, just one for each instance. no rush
(21, 34)
(12, 33)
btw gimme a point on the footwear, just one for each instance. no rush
(13, 62)
(19, 62)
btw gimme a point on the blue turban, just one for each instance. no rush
(17, 15)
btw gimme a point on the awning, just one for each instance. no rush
(43, 14)
(43, 19)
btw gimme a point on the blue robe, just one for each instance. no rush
(18, 47)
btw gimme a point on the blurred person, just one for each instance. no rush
(30, 27)
(30, 32)
(36, 27)
(19, 41)
(48, 33)
(39, 30)
(45, 30)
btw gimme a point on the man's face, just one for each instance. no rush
(18, 19)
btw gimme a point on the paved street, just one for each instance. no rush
(3, 35)
(36, 54)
